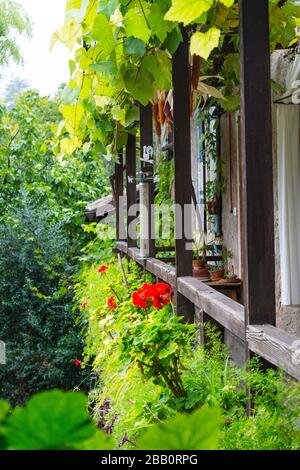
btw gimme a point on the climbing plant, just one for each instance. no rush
(122, 57)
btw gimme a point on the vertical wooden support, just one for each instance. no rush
(257, 167)
(119, 191)
(131, 188)
(147, 157)
(183, 180)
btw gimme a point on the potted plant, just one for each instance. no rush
(199, 260)
(216, 272)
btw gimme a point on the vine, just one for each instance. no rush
(122, 57)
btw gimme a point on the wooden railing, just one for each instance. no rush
(272, 344)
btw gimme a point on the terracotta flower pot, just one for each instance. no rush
(201, 273)
(217, 275)
(199, 263)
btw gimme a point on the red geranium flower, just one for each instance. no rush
(102, 269)
(77, 362)
(158, 295)
(111, 303)
(84, 304)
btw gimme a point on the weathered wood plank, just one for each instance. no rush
(162, 271)
(276, 346)
(272, 344)
(131, 186)
(146, 127)
(219, 307)
(182, 165)
(256, 159)
(119, 191)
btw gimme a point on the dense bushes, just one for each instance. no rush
(132, 349)
(36, 319)
(42, 201)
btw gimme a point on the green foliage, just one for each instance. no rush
(127, 58)
(52, 420)
(36, 322)
(126, 347)
(198, 431)
(42, 202)
(13, 22)
(59, 420)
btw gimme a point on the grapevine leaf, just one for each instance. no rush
(203, 43)
(106, 66)
(139, 83)
(135, 46)
(159, 65)
(174, 38)
(227, 3)
(159, 26)
(186, 11)
(136, 25)
(102, 32)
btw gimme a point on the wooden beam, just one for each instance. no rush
(131, 186)
(182, 160)
(146, 128)
(119, 191)
(222, 309)
(272, 344)
(276, 346)
(256, 159)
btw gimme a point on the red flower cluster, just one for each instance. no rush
(158, 295)
(111, 303)
(77, 362)
(102, 269)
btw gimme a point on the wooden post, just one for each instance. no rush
(119, 191)
(147, 157)
(183, 180)
(131, 187)
(257, 166)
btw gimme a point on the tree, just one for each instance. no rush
(14, 89)
(14, 21)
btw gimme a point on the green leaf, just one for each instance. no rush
(132, 115)
(135, 46)
(102, 32)
(140, 83)
(171, 348)
(106, 66)
(159, 26)
(50, 420)
(99, 441)
(186, 11)
(159, 65)
(108, 7)
(4, 409)
(203, 43)
(231, 104)
(173, 40)
(198, 431)
(136, 25)
(227, 3)
(69, 95)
